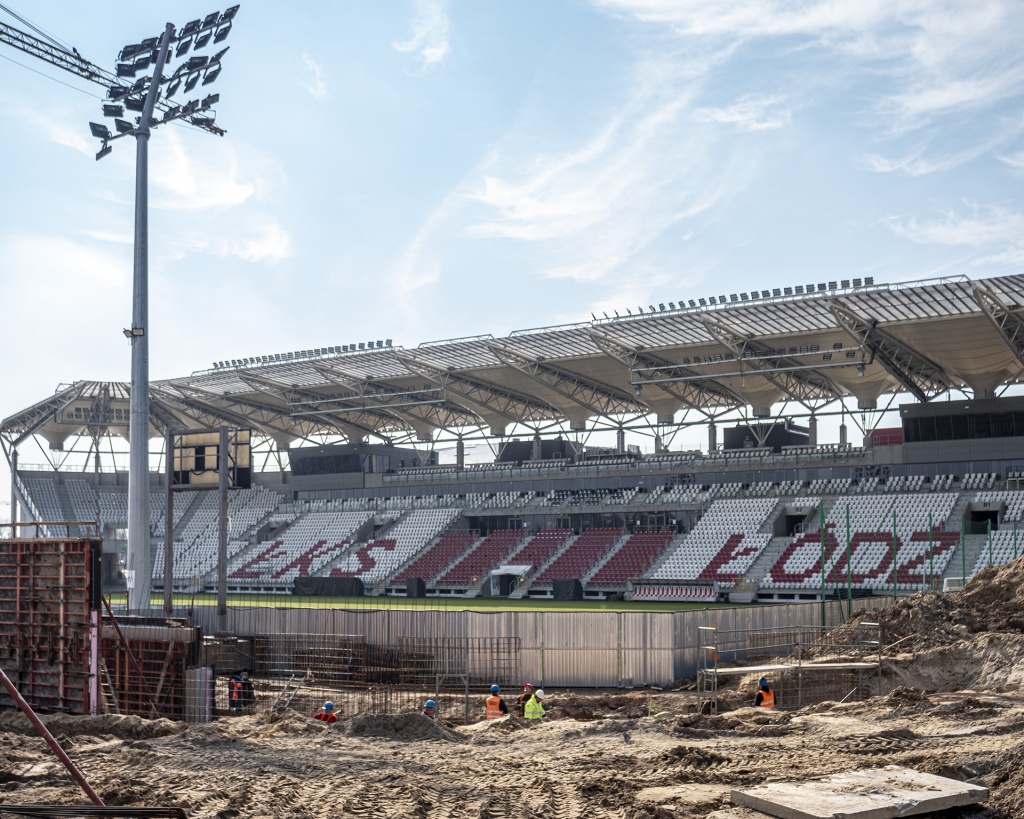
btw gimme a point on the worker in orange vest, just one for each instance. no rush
(495, 705)
(765, 697)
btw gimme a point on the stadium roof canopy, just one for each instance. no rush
(670, 365)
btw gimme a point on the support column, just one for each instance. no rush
(712, 437)
(812, 431)
(536, 454)
(620, 441)
(460, 453)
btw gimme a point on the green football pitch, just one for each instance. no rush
(425, 603)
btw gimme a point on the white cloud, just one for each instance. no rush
(981, 225)
(269, 243)
(196, 180)
(429, 38)
(749, 113)
(313, 80)
(938, 57)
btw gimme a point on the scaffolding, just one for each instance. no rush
(804, 665)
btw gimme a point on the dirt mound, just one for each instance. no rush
(402, 727)
(112, 725)
(992, 602)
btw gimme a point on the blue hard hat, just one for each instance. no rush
(328, 706)
(431, 704)
(763, 682)
(495, 689)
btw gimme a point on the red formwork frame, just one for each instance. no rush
(50, 616)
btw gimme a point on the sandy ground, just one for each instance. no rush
(957, 710)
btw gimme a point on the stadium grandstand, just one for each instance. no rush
(348, 480)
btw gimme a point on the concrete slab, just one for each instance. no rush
(878, 793)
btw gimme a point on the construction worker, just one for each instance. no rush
(534, 708)
(430, 709)
(765, 697)
(521, 702)
(495, 705)
(235, 693)
(326, 714)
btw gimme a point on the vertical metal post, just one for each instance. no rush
(821, 540)
(989, 522)
(849, 569)
(963, 550)
(931, 553)
(222, 534)
(895, 565)
(14, 494)
(168, 524)
(1014, 539)
(140, 571)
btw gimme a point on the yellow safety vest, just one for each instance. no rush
(534, 709)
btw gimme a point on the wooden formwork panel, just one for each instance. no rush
(49, 595)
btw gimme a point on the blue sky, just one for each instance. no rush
(419, 170)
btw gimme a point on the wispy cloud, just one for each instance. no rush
(197, 180)
(979, 226)
(429, 38)
(750, 113)
(312, 79)
(939, 58)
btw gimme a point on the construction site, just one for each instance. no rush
(929, 684)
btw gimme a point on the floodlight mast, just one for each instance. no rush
(140, 570)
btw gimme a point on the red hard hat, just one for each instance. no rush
(527, 685)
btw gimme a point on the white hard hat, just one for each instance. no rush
(539, 693)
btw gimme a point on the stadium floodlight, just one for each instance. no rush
(143, 97)
(671, 305)
(856, 282)
(692, 303)
(222, 34)
(869, 281)
(845, 284)
(712, 300)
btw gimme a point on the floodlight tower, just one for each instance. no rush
(144, 97)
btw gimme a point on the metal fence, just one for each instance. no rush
(562, 649)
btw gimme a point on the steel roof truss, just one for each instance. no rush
(595, 398)
(919, 375)
(1005, 318)
(801, 382)
(692, 391)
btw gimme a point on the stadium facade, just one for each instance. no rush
(347, 483)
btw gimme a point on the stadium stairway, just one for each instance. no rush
(616, 548)
(764, 561)
(974, 547)
(672, 546)
(522, 590)
(64, 499)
